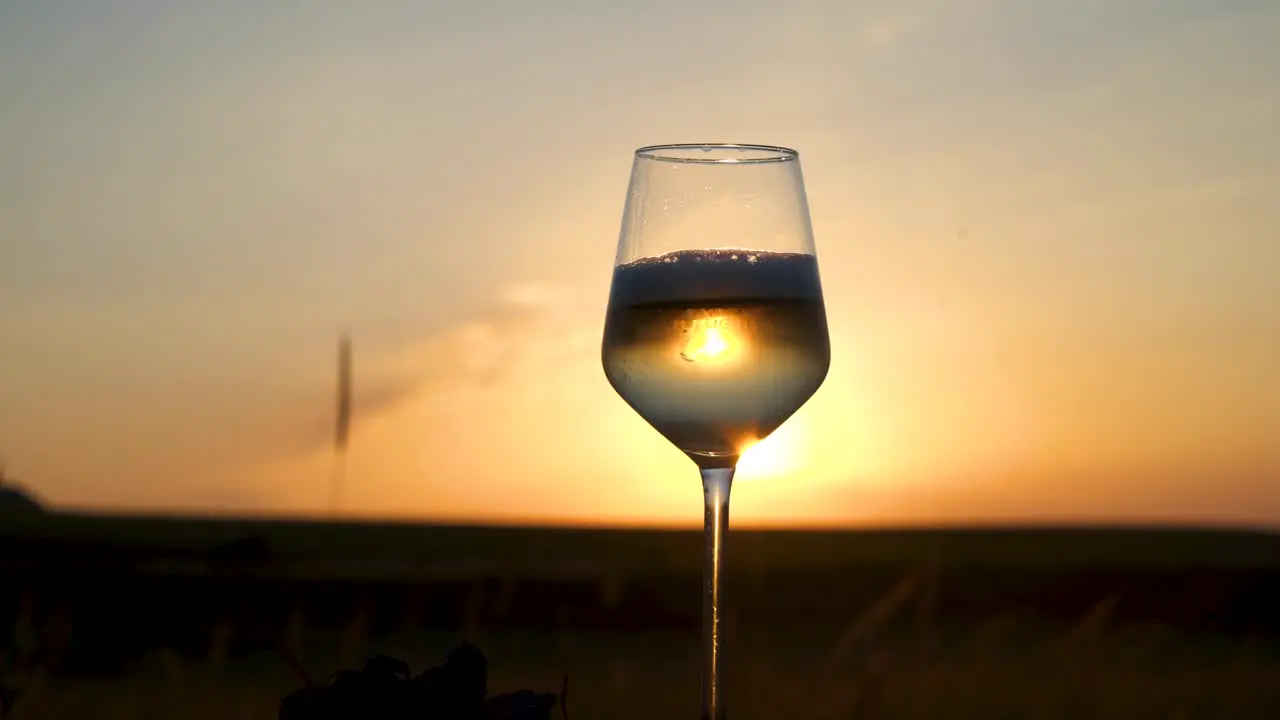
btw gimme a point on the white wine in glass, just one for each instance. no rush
(716, 330)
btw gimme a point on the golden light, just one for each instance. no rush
(710, 345)
(776, 456)
(711, 341)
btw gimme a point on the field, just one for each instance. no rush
(113, 617)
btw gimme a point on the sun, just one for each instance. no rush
(779, 455)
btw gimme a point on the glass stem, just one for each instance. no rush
(716, 483)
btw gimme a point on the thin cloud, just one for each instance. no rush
(881, 33)
(527, 328)
(532, 323)
(531, 294)
(369, 397)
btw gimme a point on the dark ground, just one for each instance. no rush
(141, 618)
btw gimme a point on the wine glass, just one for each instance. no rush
(716, 330)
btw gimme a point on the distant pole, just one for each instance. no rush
(342, 434)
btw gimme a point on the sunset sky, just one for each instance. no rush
(1049, 235)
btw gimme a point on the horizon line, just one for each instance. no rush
(994, 524)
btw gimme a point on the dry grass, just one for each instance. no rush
(892, 660)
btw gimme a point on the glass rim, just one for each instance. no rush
(740, 153)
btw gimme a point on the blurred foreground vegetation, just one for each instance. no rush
(221, 620)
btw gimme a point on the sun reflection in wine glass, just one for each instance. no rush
(712, 341)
